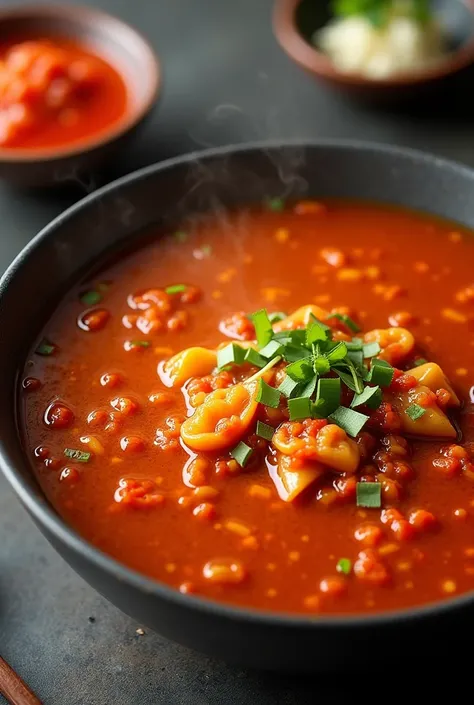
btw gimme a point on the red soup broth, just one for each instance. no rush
(104, 430)
(55, 93)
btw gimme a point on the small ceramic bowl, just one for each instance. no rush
(123, 47)
(296, 21)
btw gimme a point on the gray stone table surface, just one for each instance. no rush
(225, 81)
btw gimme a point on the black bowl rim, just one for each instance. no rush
(115, 130)
(45, 515)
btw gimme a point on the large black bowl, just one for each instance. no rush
(164, 193)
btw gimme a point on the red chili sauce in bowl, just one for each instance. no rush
(56, 93)
(275, 413)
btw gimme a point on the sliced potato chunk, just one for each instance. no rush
(433, 424)
(336, 450)
(192, 362)
(432, 376)
(291, 483)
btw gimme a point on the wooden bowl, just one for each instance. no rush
(123, 47)
(296, 21)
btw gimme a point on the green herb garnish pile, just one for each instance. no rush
(379, 12)
(319, 371)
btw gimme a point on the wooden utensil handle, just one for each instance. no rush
(13, 688)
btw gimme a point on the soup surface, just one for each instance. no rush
(317, 457)
(55, 92)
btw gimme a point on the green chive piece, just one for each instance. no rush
(321, 365)
(45, 348)
(369, 494)
(176, 289)
(370, 396)
(232, 354)
(265, 431)
(309, 388)
(271, 349)
(275, 204)
(415, 411)
(91, 298)
(254, 358)
(140, 343)
(355, 344)
(344, 565)
(241, 453)
(263, 327)
(180, 236)
(381, 373)
(287, 386)
(269, 396)
(299, 408)
(420, 361)
(351, 421)
(357, 357)
(300, 370)
(329, 391)
(78, 455)
(277, 316)
(338, 353)
(352, 325)
(316, 331)
(371, 349)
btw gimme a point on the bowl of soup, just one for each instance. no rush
(75, 84)
(241, 408)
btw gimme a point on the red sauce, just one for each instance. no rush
(55, 93)
(199, 521)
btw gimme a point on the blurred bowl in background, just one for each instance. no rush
(296, 21)
(113, 41)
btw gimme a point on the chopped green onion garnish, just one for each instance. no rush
(357, 357)
(140, 343)
(180, 236)
(316, 331)
(321, 365)
(355, 344)
(264, 431)
(263, 327)
(78, 455)
(254, 358)
(288, 386)
(371, 396)
(352, 325)
(277, 316)
(299, 408)
(415, 411)
(329, 392)
(45, 348)
(176, 289)
(369, 494)
(420, 361)
(351, 421)
(232, 354)
(371, 349)
(241, 453)
(344, 565)
(338, 353)
(300, 370)
(309, 387)
(269, 396)
(271, 349)
(91, 298)
(381, 373)
(275, 204)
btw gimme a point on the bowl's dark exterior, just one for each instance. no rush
(109, 220)
(116, 41)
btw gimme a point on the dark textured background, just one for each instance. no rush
(225, 81)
